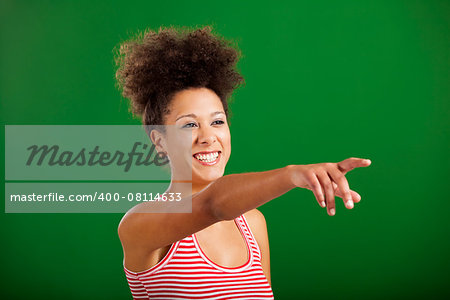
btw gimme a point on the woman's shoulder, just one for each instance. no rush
(130, 217)
(256, 221)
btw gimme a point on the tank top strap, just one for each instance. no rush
(253, 244)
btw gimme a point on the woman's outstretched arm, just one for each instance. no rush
(232, 195)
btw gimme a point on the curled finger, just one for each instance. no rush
(325, 181)
(342, 184)
(317, 189)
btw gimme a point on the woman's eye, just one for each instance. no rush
(217, 122)
(187, 125)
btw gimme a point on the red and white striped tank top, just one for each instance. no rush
(186, 273)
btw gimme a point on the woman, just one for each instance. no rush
(183, 79)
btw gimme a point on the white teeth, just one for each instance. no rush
(207, 157)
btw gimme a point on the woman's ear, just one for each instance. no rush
(158, 140)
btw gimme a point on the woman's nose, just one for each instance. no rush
(206, 135)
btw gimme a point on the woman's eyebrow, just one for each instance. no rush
(195, 116)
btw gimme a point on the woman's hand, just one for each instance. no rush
(327, 180)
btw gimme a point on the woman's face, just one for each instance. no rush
(198, 112)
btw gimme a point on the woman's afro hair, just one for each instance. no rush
(153, 66)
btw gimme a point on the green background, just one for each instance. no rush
(326, 80)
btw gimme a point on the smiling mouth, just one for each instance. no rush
(208, 159)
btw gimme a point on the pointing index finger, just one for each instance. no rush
(352, 163)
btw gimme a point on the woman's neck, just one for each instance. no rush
(186, 188)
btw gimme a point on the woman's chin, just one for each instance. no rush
(207, 173)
